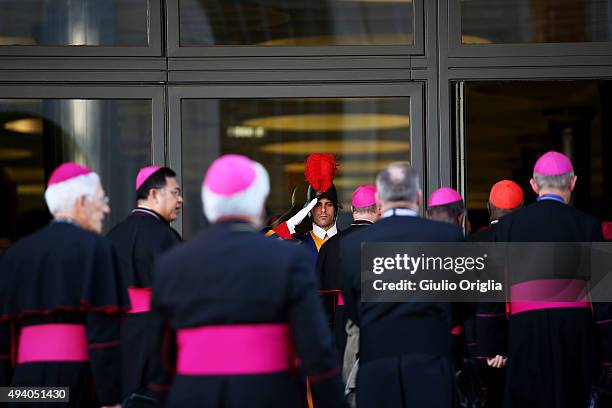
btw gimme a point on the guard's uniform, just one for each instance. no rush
(314, 240)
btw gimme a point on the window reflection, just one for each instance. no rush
(296, 23)
(535, 21)
(113, 137)
(74, 23)
(365, 134)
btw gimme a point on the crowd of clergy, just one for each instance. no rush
(261, 312)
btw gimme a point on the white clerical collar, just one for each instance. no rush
(324, 234)
(402, 212)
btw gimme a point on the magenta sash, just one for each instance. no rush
(140, 299)
(234, 349)
(52, 342)
(549, 294)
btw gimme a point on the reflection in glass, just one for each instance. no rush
(290, 22)
(70, 23)
(113, 137)
(365, 134)
(509, 124)
(535, 21)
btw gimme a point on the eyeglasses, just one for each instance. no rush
(104, 200)
(176, 192)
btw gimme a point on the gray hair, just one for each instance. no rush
(62, 197)
(370, 209)
(398, 182)
(557, 181)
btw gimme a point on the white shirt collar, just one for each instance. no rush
(402, 212)
(320, 232)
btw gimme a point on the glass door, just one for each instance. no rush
(365, 126)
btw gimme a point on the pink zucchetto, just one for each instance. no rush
(67, 183)
(553, 164)
(66, 171)
(443, 196)
(144, 174)
(364, 196)
(234, 185)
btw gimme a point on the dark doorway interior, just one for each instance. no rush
(509, 124)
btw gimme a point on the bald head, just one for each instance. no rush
(398, 182)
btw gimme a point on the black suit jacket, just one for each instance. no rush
(422, 320)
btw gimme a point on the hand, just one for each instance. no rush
(299, 217)
(497, 361)
(112, 406)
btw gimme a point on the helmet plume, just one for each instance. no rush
(320, 171)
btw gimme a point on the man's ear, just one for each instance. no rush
(419, 197)
(81, 201)
(153, 193)
(461, 218)
(534, 186)
(572, 185)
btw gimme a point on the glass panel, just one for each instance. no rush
(535, 21)
(365, 134)
(74, 22)
(290, 22)
(510, 124)
(113, 137)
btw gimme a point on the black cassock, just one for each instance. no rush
(490, 336)
(553, 352)
(330, 281)
(236, 304)
(138, 240)
(61, 300)
(404, 348)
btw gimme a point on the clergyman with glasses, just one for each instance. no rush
(138, 240)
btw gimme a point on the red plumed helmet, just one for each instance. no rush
(320, 171)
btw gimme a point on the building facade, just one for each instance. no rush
(468, 91)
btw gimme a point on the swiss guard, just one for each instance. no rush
(322, 207)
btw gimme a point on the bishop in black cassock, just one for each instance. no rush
(555, 345)
(241, 311)
(143, 235)
(62, 297)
